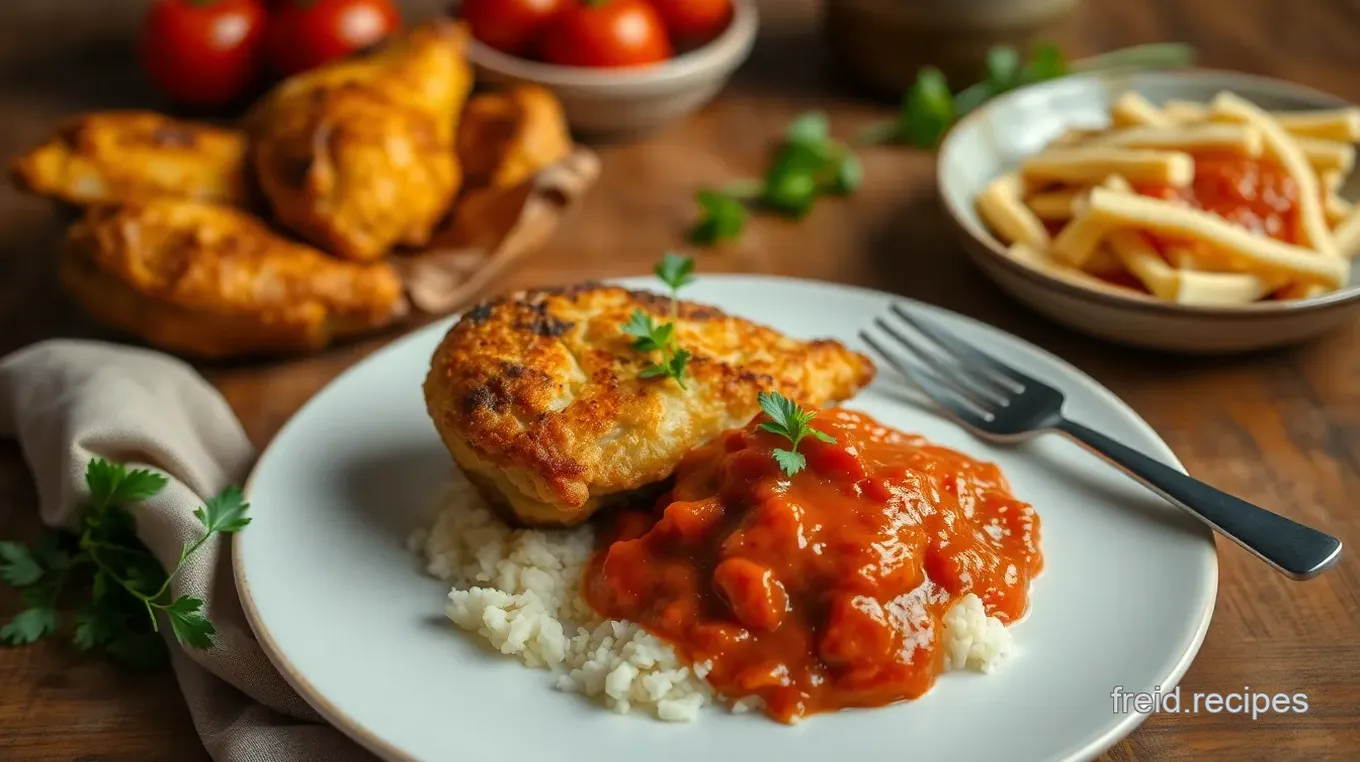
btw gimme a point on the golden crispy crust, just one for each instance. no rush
(212, 281)
(119, 156)
(507, 136)
(358, 156)
(539, 398)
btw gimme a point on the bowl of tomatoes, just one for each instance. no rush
(617, 66)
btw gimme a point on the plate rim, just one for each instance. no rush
(375, 744)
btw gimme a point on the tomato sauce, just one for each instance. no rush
(1255, 193)
(825, 590)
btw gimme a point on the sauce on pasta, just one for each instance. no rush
(1255, 193)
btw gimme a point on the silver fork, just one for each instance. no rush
(995, 401)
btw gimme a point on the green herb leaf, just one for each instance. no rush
(1046, 61)
(103, 478)
(791, 461)
(971, 98)
(30, 625)
(721, 218)
(18, 567)
(138, 485)
(927, 109)
(49, 552)
(849, 175)
(792, 194)
(789, 420)
(649, 337)
(679, 361)
(187, 621)
(94, 627)
(127, 584)
(1003, 68)
(822, 435)
(225, 511)
(782, 411)
(672, 367)
(675, 270)
(791, 185)
(810, 128)
(660, 338)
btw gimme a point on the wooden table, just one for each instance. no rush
(1281, 429)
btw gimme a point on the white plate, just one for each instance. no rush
(1124, 600)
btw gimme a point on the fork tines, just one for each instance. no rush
(945, 367)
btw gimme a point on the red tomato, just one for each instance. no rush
(304, 34)
(695, 22)
(512, 26)
(607, 34)
(203, 53)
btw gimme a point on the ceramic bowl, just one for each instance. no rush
(999, 135)
(626, 102)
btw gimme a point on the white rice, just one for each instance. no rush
(519, 590)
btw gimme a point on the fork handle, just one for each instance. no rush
(1294, 549)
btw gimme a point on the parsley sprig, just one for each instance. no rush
(929, 108)
(676, 271)
(790, 421)
(128, 587)
(809, 164)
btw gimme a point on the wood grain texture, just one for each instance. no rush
(1281, 429)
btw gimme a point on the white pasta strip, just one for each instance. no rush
(1104, 263)
(1347, 235)
(1183, 286)
(1078, 240)
(1327, 155)
(1053, 206)
(1312, 221)
(1042, 262)
(1000, 207)
(1341, 125)
(1089, 166)
(1245, 250)
(1133, 109)
(1336, 124)
(1185, 112)
(1337, 210)
(1243, 139)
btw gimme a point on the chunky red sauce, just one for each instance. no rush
(1254, 193)
(823, 591)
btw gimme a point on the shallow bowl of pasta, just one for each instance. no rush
(1198, 211)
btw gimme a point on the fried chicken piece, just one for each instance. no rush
(213, 281)
(117, 156)
(358, 156)
(539, 397)
(505, 137)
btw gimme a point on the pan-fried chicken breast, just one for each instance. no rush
(212, 281)
(539, 398)
(117, 156)
(505, 137)
(357, 156)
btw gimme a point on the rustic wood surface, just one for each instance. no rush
(1281, 429)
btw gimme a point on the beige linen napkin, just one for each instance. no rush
(69, 401)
